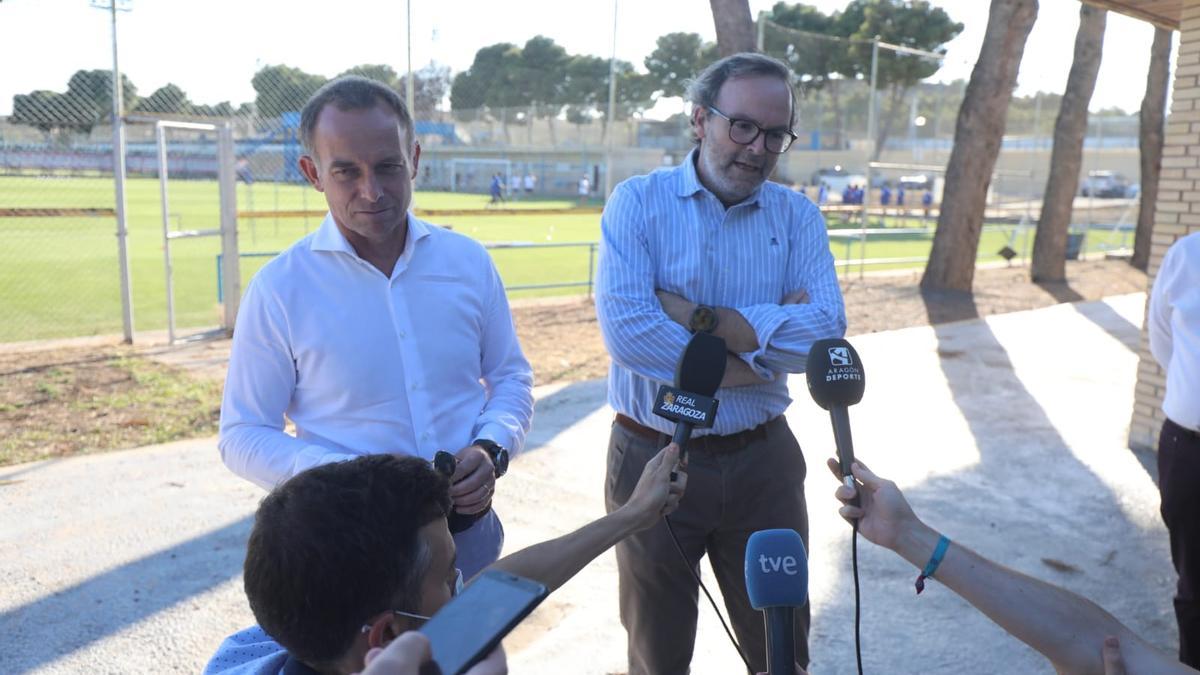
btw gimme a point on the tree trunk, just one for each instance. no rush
(1150, 142)
(1066, 158)
(977, 135)
(735, 26)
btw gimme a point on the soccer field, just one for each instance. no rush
(59, 275)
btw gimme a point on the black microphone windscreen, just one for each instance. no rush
(834, 373)
(702, 366)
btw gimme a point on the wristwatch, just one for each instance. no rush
(703, 319)
(498, 454)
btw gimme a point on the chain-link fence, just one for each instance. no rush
(532, 118)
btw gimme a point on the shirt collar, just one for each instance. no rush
(689, 184)
(329, 238)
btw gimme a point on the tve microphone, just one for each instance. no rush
(777, 583)
(690, 403)
(835, 381)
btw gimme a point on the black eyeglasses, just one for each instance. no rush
(745, 132)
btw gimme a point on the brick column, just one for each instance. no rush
(1177, 212)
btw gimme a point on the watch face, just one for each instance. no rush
(704, 319)
(501, 461)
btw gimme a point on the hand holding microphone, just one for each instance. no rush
(836, 381)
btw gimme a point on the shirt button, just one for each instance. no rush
(402, 334)
(416, 386)
(425, 436)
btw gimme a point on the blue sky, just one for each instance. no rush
(212, 48)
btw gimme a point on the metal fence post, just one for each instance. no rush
(591, 266)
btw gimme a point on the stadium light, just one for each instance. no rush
(118, 131)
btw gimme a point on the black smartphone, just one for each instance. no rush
(469, 627)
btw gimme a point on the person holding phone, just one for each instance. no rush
(346, 557)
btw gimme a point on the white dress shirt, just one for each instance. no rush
(423, 361)
(1174, 325)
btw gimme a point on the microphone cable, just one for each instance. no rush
(857, 601)
(682, 556)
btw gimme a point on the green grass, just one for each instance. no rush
(59, 276)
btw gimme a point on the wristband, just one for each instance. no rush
(939, 552)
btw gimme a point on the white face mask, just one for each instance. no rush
(458, 586)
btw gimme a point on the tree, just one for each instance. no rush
(1150, 143)
(382, 73)
(169, 98)
(819, 54)
(94, 88)
(677, 57)
(493, 81)
(977, 137)
(86, 103)
(430, 85)
(735, 27)
(1066, 157)
(543, 68)
(908, 23)
(280, 89)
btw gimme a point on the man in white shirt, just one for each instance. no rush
(378, 333)
(1174, 325)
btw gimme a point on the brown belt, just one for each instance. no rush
(711, 443)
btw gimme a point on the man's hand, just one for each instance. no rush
(406, 654)
(474, 480)
(655, 494)
(883, 514)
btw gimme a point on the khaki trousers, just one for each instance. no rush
(729, 497)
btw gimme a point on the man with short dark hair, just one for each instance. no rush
(712, 246)
(345, 557)
(379, 332)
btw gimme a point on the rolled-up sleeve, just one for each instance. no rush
(786, 332)
(637, 332)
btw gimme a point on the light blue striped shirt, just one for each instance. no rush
(666, 231)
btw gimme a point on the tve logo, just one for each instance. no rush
(776, 569)
(785, 563)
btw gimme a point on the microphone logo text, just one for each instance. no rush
(786, 564)
(835, 374)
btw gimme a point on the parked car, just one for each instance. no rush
(1104, 184)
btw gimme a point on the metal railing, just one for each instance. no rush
(589, 283)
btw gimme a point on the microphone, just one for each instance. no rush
(690, 403)
(777, 583)
(835, 381)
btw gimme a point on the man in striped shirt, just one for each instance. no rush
(711, 245)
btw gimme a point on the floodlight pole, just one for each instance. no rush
(119, 183)
(408, 88)
(612, 99)
(866, 202)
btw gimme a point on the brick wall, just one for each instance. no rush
(1177, 212)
